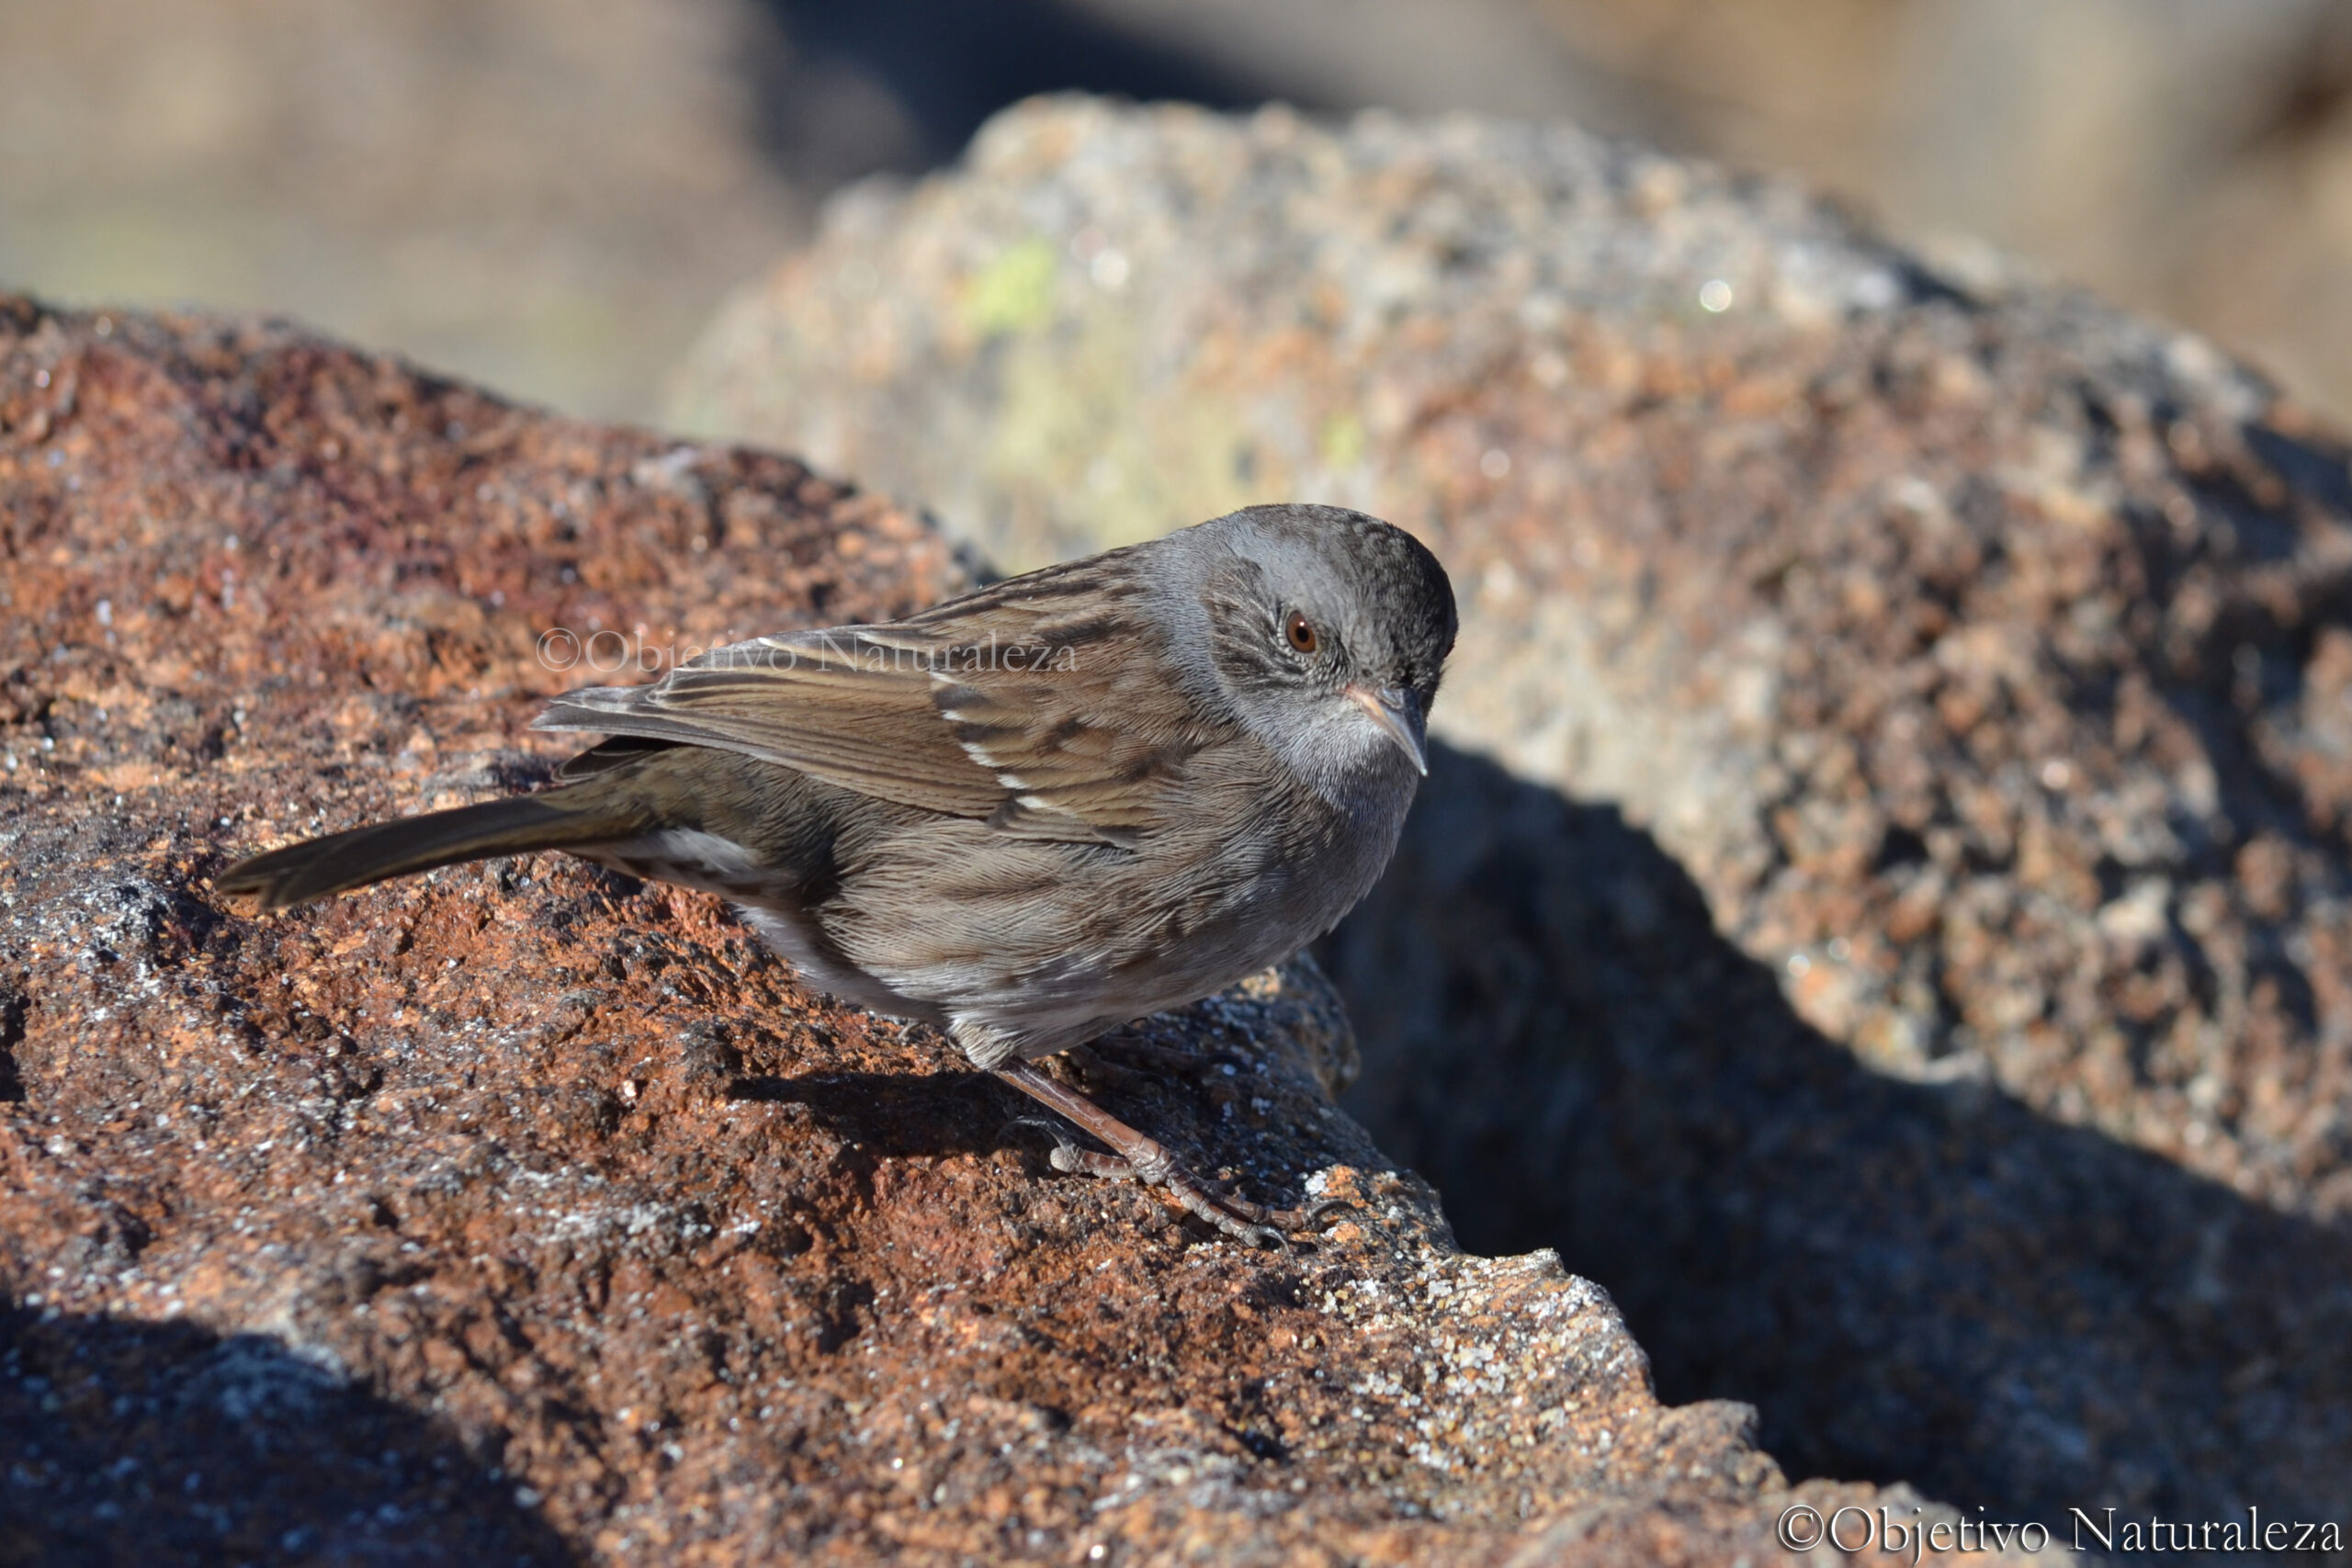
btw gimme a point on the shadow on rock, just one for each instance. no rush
(12, 1030)
(1914, 1281)
(895, 1115)
(159, 1443)
(928, 1115)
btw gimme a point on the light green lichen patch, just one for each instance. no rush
(1076, 440)
(1014, 293)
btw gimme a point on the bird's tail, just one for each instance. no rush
(553, 820)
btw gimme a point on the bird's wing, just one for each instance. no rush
(1031, 711)
(827, 703)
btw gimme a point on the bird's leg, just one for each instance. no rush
(1144, 1159)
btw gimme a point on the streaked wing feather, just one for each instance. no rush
(933, 713)
(1092, 738)
(873, 731)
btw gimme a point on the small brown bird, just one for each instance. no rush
(1026, 816)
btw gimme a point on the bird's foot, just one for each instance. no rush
(1237, 1218)
(1146, 1160)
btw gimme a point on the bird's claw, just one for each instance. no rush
(1143, 1160)
(1237, 1218)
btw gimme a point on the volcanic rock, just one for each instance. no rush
(523, 1212)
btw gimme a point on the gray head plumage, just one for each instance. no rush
(1327, 630)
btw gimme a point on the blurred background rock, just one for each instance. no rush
(552, 196)
(1883, 904)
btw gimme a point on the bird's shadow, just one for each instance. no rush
(894, 1115)
(163, 1443)
(1928, 1282)
(928, 1115)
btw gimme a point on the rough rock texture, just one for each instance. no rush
(1886, 915)
(523, 1212)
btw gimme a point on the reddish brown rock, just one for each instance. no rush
(522, 1213)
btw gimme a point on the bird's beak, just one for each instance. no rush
(1398, 713)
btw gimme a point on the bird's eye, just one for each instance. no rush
(1299, 632)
